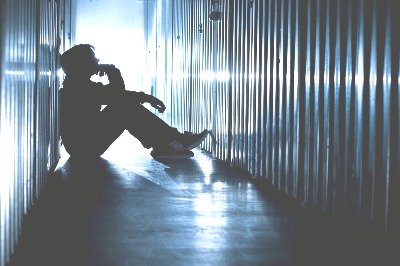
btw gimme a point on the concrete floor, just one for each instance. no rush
(128, 209)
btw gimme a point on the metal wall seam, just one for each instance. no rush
(253, 92)
(234, 78)
(244, 88)
(338, 121)
(296, 98)
(392, 87)
(358, 117)
(281, 97)
(326, 116)
(258, 83)
(287, 102)
(262, 88)
(268, 90)
(249, 89)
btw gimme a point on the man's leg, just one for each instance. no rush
(153, 132)
(96, 136)
(148, 128)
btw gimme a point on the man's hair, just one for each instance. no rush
(73, 58)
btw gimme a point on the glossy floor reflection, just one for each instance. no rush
(128, 209)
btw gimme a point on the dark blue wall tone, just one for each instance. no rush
(303, 94)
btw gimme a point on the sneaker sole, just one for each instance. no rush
(197, 143)
(172, 157)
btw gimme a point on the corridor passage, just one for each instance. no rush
(128, 209)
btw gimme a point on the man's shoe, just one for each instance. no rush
(190, 140)
(172, 151)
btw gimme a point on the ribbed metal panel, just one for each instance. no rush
(311, 103)
(28, 110)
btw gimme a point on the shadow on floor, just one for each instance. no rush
(53, 229)
(192, 212)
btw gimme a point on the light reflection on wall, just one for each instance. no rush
(15, 73)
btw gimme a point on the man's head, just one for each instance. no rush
(80, 59)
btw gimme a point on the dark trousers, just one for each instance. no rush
(101, 131)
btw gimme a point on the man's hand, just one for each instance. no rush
(156, 103)
(106, 69)
(113, 74)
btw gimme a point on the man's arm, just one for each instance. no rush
(146, 98)
(117, 90)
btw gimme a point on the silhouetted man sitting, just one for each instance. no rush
(87, 131)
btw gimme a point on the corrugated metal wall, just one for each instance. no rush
(28, 108)
(302, 93)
